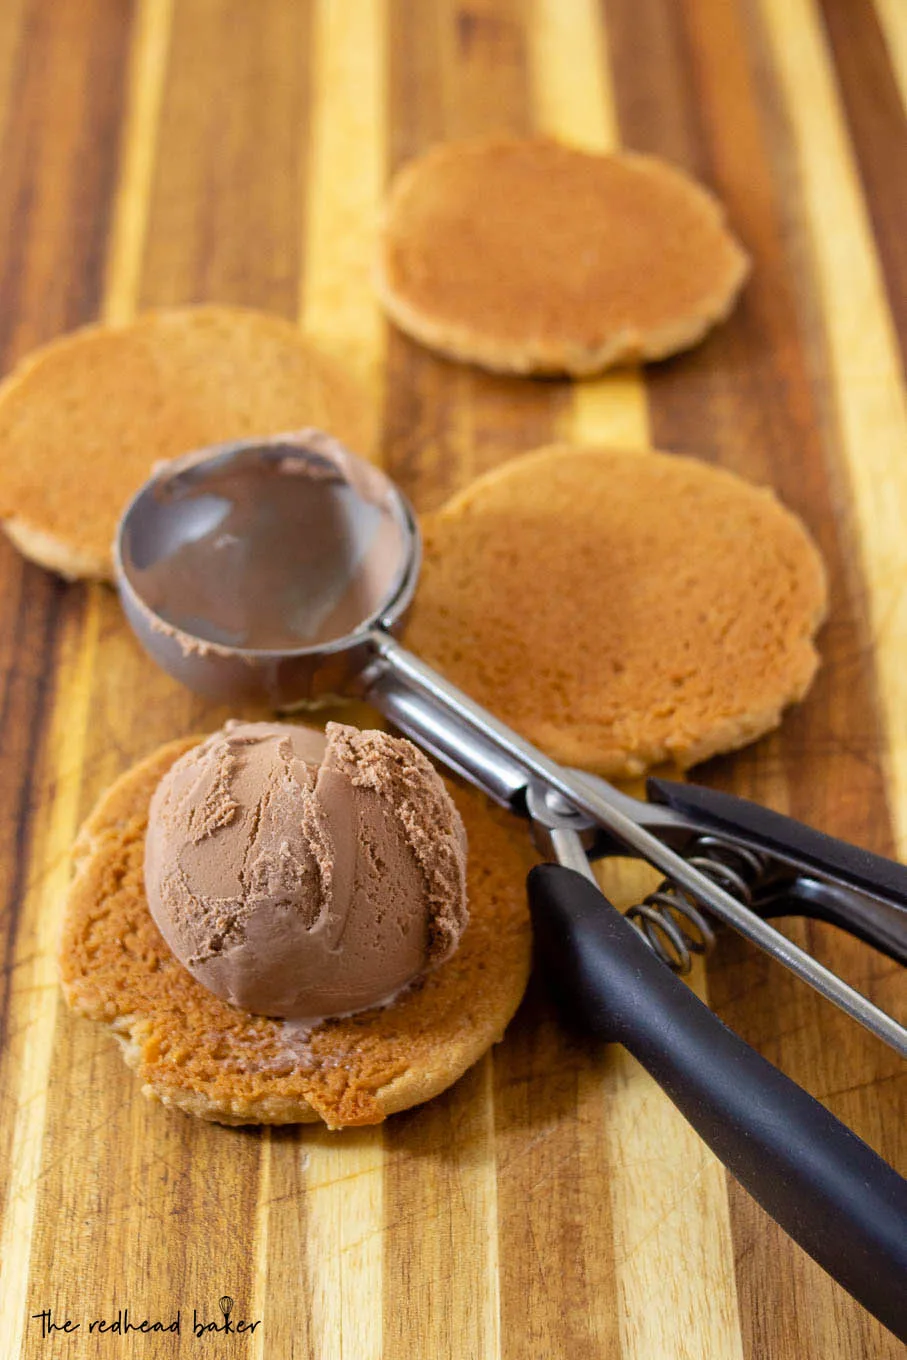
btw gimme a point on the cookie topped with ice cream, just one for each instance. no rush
(273, 922)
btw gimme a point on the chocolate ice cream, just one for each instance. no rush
(302, 874)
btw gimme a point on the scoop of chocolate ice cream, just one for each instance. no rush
(302, 874)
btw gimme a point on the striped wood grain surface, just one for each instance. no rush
(551, 1205)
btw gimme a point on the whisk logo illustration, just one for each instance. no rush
(202, 1327)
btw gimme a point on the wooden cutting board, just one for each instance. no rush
(552, 1204)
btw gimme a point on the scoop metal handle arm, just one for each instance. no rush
(592, 798)
(827, 1188)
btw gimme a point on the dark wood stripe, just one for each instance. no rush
(55, 203)
(31, 606)
(459, 72)
(558, 1268)
(435, 1236)
(878, 129)
(456, 71)
(59, 171)
(227, 218)
(753, 398)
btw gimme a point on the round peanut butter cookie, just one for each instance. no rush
(197, 1052)
(621, 609)
(83, 420)
(529, 256)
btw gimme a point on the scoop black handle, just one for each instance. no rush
(827, 1188)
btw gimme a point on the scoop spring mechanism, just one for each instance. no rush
(669, 920)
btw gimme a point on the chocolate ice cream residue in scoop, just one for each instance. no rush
(304, 874)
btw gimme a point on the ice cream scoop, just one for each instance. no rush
(304, 874)
(232, 507)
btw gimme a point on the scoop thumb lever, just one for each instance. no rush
(827, 1188)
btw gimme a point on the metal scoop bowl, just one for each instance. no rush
(258, 569)
(280, 569)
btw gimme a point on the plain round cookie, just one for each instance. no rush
(620, 609)
(84, 419)
(194, 1051)
(529, 256)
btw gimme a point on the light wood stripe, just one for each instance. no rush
(570, 78)
(674, 1266)
(259, 1308)
(610, 410)
(147, 71)
(348, 150)
(863, 354)
(344, 1175)
(344, 1247)
(480, 1188)
(35, 987)
(675, 1258)
(876, 114)
(574, 100)
(893, 18)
